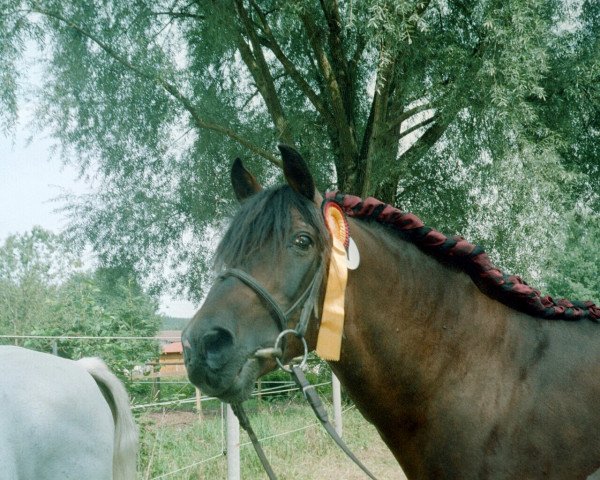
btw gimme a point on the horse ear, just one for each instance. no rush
(243, 182)
(297, 173)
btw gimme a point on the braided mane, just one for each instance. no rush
(511, 290)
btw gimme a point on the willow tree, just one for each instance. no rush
(450, 107)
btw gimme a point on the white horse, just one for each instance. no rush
(63, 420)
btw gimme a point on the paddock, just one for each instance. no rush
(185, 436)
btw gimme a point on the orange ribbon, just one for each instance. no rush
(329, 341)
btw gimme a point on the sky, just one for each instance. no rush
(31, 178)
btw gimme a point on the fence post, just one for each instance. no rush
(198, 404)
(337, 404)
(54, 347)
(156, 387)
(259, 389)
(233, 445)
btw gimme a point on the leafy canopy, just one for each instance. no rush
(482, 116)
(45, 292)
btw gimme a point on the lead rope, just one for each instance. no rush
(309, 298)
(315, 402)
(240, 413)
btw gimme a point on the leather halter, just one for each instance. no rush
(308, 300)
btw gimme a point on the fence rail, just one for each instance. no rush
(86, 337)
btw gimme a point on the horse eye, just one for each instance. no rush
(303, 242)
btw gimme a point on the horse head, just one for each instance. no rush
(270, 261)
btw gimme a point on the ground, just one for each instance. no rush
(178, 445)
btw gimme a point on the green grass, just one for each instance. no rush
(175, 440)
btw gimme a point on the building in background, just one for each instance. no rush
(171, 360)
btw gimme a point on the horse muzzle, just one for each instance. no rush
(217, 366)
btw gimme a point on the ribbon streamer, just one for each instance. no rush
(329, 341)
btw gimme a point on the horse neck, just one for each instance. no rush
(407, 317)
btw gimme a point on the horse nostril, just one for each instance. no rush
(187, 350)
(217, 345)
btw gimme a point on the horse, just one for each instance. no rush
(63, 419)
(458, 383)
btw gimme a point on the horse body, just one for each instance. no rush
(459, 385)
(472, 388)
(63, 419)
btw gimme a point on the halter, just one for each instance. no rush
(308, 300)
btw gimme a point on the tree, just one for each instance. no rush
(431, 104)
(104, 303)
(32, 267)
(575, 274)
(44, 291)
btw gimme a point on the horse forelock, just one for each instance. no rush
(264, 223)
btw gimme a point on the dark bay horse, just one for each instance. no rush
(459, 385)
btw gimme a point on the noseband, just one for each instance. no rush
(308, 299)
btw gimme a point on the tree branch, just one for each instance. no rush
(345, 132)
(331, 11)
(271, 43)
(375, 128)
(427, 140)
(255, 60)
(407, 114)
(361, 43)
(180, 15)
(454, 103)
(167, 86)
(422, 124)
(420, 9)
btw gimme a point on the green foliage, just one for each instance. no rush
(44, 292)
(574, 274)
(155, 99)
(32, 267)
(104, 303)
(174, 323)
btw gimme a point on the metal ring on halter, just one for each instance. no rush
(304, 356)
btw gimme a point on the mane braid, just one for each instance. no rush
(511, 290)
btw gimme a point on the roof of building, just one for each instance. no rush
(175, 347)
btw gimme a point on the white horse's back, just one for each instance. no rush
(55, 422)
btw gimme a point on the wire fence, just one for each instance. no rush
(248, 443)
(86, 337)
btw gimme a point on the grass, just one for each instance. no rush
(171, 442)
